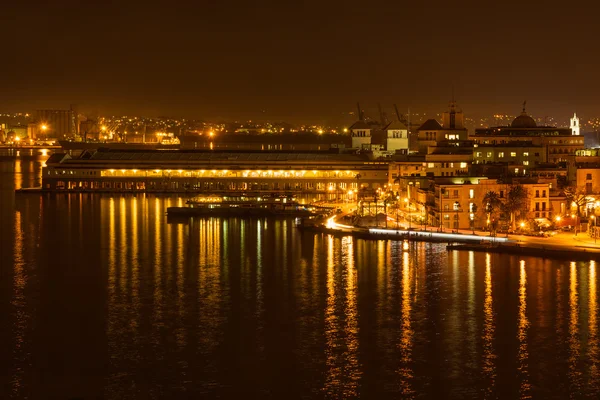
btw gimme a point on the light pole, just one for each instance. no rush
(397, 208)
(408, 212)
(456, 208)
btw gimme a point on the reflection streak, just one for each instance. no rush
(489, 357)
(523, 325)
(574, 345)
(593, 328)
(406, 337)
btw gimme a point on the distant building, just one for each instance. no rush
(56, 123)
(361, 134)
(452, 128)
(575, 125)
(396, 137)
(558, 143)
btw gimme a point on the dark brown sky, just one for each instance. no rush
(300, 60)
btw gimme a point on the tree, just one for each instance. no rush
(578, 197)
(491, 205)
(516, 202)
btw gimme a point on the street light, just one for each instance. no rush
(408, 212)
(456, 208)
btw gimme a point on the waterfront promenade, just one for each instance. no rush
(561, 245)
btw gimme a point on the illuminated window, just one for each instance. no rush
(513, 154)
(501, 154)
(489, 153)
(525, 162)
(463, 165)
(471, 193)
(525, 154)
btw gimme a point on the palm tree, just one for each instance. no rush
(516, 202)
(491, 205)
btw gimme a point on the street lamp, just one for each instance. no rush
(408, 211)
(397, 208)
(456, 208)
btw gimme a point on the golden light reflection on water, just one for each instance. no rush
(593, 328)
(18, 303)
(489, 356)
(522, 329)
(18, 173)
(157, 268)
(406, 374)
(134, 262)
(341, 329)
(574, 340)
(212, 281)
(351, 311)
(123, 246)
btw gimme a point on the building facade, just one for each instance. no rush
(322, 174)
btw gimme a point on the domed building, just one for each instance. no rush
(523, 121)
(524, 144)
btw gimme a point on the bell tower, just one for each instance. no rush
(575, 125)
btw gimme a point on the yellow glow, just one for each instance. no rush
(44, 127)
(522, 224)
(102, 128)
(320, 131)
(122, 171)
(112, 171)
(345, 130)
(558, 218)
(17, 138)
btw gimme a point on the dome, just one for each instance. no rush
(523, 121)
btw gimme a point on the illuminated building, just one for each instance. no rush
(450, 202)
(323, 174)
(452, 129)
(575, 125)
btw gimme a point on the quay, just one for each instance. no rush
(562, 246)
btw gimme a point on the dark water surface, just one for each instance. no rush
(100, 297)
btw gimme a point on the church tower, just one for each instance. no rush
(575, 125)
(453, 118)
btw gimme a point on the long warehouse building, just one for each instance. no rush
(325, 174)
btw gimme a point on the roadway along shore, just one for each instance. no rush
(564, 245)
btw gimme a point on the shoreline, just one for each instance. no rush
(513, 244)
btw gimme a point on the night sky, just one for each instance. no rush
(300, 60)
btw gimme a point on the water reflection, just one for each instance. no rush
(341, 327)
(19, 304)
(204, 308)
(593, 373)
(489, 356)
(406, 374)
(574, 340)
(522, 329)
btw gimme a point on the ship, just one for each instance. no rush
(245, 206)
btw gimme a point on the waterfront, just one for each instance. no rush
(101, 298)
